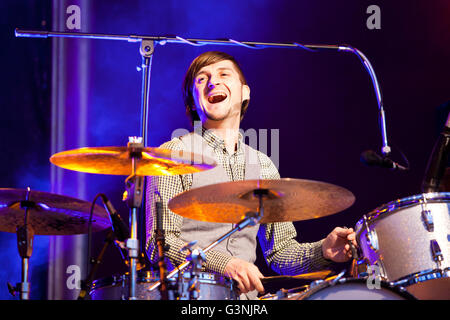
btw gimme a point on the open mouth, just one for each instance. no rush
(217, 97)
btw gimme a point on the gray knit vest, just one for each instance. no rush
(242, 244)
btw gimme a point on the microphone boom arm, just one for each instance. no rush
(162, 40)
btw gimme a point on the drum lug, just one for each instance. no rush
(428, 220)
(436, 252)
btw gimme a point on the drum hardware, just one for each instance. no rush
(134, 193)
(422, 276)
(25, 236)
(436, 252)
(359, 264)
(371, 236)
(197, 256)
(427, 218)
(160, 242)
(251, 219)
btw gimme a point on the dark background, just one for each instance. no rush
(322, 103)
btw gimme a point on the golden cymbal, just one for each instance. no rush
(118, 161)
(49, 214)
(284, 200)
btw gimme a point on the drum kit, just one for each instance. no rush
(405, 242)
(402, 252)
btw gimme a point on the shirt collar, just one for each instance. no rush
(214, 141)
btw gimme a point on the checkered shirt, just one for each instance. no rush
(282, 252)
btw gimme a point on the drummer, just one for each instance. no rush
(216, 97)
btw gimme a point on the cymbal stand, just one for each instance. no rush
(25, 236)
(134, 192)
(251, 219)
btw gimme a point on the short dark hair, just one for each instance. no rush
(203, 60)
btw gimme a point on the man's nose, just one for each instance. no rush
(213, 82)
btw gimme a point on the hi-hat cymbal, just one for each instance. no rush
(285, 200)
(118, 161)
(49, 214)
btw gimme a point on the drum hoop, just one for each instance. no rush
(152, 276)
(422, 276)
(389, 208)
(321, 285)
(400, 290)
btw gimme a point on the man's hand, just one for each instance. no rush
(246, 274)
(336, 246)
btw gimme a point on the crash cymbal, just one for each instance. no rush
(49, 214)
(285, 200)
(117, 161)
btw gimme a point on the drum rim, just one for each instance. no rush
(400, 290)
(418, 277)
(149, 276)
(391, 207)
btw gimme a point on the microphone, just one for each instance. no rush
(372, 159)
(437, 162)
(119, 228)
(118, 225)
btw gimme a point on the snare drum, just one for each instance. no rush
(343, 289)
(212, 287)
(407, 241)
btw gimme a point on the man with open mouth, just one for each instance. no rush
(216, 97)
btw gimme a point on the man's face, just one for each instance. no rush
(218, 92)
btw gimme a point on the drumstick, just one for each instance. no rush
(305, 276)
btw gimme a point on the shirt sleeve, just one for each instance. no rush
(283, 253)
(164, 188)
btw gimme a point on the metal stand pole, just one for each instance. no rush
(135, 186)
(25, 236)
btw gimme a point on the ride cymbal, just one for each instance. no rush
(283, 200)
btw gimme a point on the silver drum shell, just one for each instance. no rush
(397, 239)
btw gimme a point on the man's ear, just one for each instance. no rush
(245, 92)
